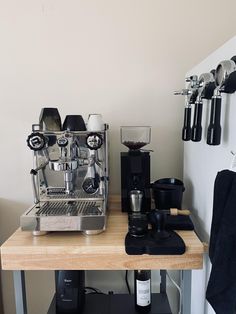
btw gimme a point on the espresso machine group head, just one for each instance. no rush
(70, 174)
(135, 166)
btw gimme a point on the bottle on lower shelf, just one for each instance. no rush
(142, 290)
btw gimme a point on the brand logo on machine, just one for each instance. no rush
(67, 280)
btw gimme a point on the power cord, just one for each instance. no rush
(179, 290)
(127, 281)
(93, 290)
(97, 291)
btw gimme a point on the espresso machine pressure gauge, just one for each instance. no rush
(91, 185)
(91, 181)
(94, 141)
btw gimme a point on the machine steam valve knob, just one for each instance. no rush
(94, 141)
(62, 142)
(36, 141)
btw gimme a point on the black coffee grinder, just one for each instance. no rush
(135, 166)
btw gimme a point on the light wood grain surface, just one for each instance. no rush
(105, 251)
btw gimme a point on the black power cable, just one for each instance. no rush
(127, 281)
(93, 290)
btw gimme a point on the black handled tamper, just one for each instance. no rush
(157, 219)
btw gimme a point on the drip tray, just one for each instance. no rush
(65, 216)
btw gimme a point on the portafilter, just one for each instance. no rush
(206, 85)
(190, 94)
(225, 82)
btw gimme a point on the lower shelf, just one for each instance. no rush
(118, 303)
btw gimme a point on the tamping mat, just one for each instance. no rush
(171, 245)
(178, 223)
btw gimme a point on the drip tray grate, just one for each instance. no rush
(59, 193)
(85, 208)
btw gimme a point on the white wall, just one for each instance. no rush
(201, 164)
(121, 58)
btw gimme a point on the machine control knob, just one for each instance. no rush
(94, 141)
(36, 141)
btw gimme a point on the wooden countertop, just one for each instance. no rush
(105, 251)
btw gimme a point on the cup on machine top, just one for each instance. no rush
(74, 123)
(95, 122)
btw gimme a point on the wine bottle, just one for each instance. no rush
(142, 290)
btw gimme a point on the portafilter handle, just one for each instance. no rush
(186, 130)
(196, 132)
(214, 128)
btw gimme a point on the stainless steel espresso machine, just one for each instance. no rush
(70, 174)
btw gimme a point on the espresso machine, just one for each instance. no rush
(69, 175)
(135, 166)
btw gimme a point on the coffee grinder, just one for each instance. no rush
(135, 166)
